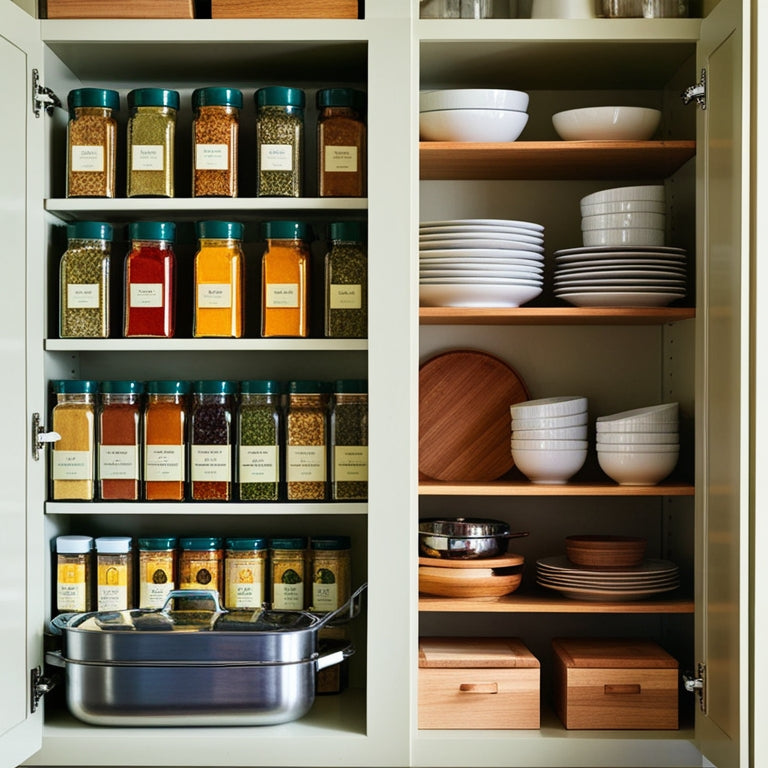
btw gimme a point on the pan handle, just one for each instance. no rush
(334, 657)
(199, 594)
(344, 612)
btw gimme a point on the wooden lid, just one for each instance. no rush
(474, 652)
(612, 653)
(503, 561)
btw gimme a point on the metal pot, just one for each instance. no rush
(464, 538)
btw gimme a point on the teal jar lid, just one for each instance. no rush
(89, 230)
(285, 230)
(101, 98)
(74, 545)
(217, 97)
(153, 97)
(307, 387)
(280, 96)
(351, 386)
(288, 542)
(260, 387)
(330, 542)
(349, 231)
(75, 387)
(200, 543)
(341, 97)
(122, 387)
(219, 230)
(214, 387)
(158, 543)
(246, 544)
(152, 230)
(168, 387)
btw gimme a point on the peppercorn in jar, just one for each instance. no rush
(349, 440)
(341, 143)
(346, 283)
(306, 441)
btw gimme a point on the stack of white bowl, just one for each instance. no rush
(641, 446)
(472, 114)
(549, 438)
(624, 216)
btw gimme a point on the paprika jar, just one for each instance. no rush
(119, 442)
(245, 567)
(215, 129)
(91, 142)
(349, 440)
(73, 574)
(211, 440)
(346, 283)
(165, 417)
(306, 440)
(201, 566)
(84, 281)
(284, 280)
(219, 280)
(330, 572)
(288, 563)
(114, 573)
(341, 143)
(157, 570)
(150, 280)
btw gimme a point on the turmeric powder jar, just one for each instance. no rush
(284, 280)
(341, 142)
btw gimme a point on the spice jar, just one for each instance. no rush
(215, 131)
(84, 281)
(259, 430)
(164, 440)
(245, 564)
(288, 564)
(341, 145)
(150, 280)
(284, 280)
(73, 574)
(157, 570)
(349, 440)
(331, 573)
(211, 437)
(114, 573)
(346, 283)
(118, 435)
(279, 141)
(91, 142)
(201, 566)
(151, 142)
(219, 280)
(306, 440)
(72, 456)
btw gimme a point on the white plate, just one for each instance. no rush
(472, 273)
(650, 565)
(654, 273)
(477, 295)
(484, 223)
(530, 280)
(521, 250)
(621, 249)
(478, 242)
(529, 265)
(584, 581)
(599, 260)
(470, 239)
(620, 299)
(601, 595)
(585, 281)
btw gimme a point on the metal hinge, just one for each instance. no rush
(42, 97)
(40, 686)
(698, 92)
(697, 685)
(40, 437)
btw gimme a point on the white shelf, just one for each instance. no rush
(197, 509)
(205, 345)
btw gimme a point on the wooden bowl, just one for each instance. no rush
(598, 551)
(475, 582)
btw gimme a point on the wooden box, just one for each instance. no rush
(109, 9)
(284, 9)
(614, 684)
(477, 683)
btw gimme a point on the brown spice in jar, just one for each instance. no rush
(341, 143)
(215, 141)
(91, 132)
(306, 440)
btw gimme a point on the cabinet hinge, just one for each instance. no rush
(42, 97)
(40, 686)
(697, 685)
(698, 92)
(40, 437)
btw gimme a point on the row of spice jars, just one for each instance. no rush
(111, 573)
(210, 440)
(150, 278)
(279, 136)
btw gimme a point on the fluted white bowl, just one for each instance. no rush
(547, 445)
(623, 206)
(614, 194)
(637, 438)
(549, 467)
(637, 468)
(549, 406)
(622, 220)
(556, 433)
(550, 422)
(624, 236)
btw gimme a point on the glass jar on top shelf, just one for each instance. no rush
(346, 283)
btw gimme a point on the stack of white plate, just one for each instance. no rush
(480, 262)
(641, 446)
(624, 216)
(581, 582)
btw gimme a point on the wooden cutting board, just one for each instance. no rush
(464, 421)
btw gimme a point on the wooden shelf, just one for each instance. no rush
(525, 488)
(553, 159)
(553, 315)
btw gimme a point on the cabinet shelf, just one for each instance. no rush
(553, 315)
(191, 509)
(205, 345)
(572, 488)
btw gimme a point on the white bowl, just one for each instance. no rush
(447, 295)
(548, 406)
(550, 422)
(625, 236)
(634, 468)
(606, 439)
(621, 220)
(614, 194)
(607, 123)
(490, 125)
(473, 98)
(556, 433)
(562, 9)
(623, 206)
(647, 414)
(637, 447)
(551, 467)
(635, 427)
(547, 445)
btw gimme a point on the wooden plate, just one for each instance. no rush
(476, 583)
(464, 421)
(505, 561)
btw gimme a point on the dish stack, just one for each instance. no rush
(480, 262)
(624, 216)
(549, 438)
(641, 446)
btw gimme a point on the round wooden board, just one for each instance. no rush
(507, 561)
(464, 421)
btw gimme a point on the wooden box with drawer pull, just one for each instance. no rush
(614, 684)
(109, 9)
(285, 9)
(488, 683)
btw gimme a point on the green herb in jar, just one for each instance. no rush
(346, 283)
(349, 441)
(259, 428)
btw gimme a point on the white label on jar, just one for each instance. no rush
(148, 157)
(89, 158)
(164, 463)
(214, 295)
(245, 583)
(258, 464)
(282, 295)
(119, 462)
(325, 597)
(276, 157)
(340, 159)
(211, 157)
(72, 465)
(305, 463)
(350, 463)
(146, 295)
(345, 296)
(288, 597)
(83, 296)
(210, 463)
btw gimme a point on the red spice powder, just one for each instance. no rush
(150, 276)
(119, 426)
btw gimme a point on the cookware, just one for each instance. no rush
(464, 538)
(489, 577)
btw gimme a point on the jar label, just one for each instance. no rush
(258, 464)
(276, 157)
(83, 296)
(201, 574)
(214, 295)
(212, 157)
(325, 597)
(72, 465)
(156, 584)
(210, 463)
(119, 462)
(148, 157)
(345, 296)
(339, 159)
(245, 582)
(288, 597)
(112, 591)
(71, 587)
(164, 463)
(88, 158)
(350, 463)
(305, 463)
(282, 295)
(146, 295)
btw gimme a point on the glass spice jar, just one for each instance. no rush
(346, 283)
(118, 432)
(349, 440)
(91, 142)
(114, 573)
(201, 566)
(72, 456)
(341, 143)
(218, 277)
(285, 280)
(215, 129)
(73, 574)
(245, 563)
(288, 564)
(151, 142)
(211, 440)
(164, 433)
(330, 572)
(306, 440)
(150, 281)
(84, 281)
(157, 570)
(279, 141)
(259, 441)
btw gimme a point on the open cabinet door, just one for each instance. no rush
(723, 360)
